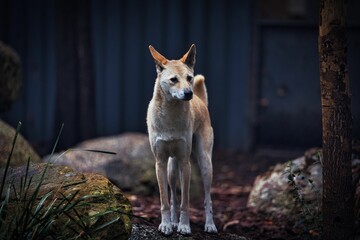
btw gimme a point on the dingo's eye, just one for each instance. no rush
(189, 78)
(174, 79)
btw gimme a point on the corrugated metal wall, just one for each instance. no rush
(290, 113)
(124, 70)
(261, 69)
(29, 28)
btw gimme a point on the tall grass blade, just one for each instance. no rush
(41, 204)
(23, 180)
(83, 227)
(57, 139)
(95, 151)
(79, 149)
(27, 171)
(106, 224)
(9, 158)
(4, 203)
(48, 214)
(33, 197)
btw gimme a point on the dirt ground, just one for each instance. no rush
(234, 174)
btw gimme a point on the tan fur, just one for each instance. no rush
(200, 88)
(179, 126)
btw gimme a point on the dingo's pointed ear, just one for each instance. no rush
(160, 60)
(189, 57)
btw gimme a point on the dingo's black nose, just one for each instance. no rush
(188, 94)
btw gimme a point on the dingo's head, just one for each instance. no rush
(176, 77)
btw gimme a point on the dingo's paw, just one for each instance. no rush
(173, 218)
(210, 228)
(165, 228)
(175, 224)
(184, 229)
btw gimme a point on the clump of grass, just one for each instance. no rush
(26, 214)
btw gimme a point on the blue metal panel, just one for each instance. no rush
(49, 68)
(195, 33)
(125, 72)
(113, 72)
(98, 15)
(154, 26)
(238, 69)
(16, 38)
(107, 36)
(33, 70)
(154, 35)
(216, 49)
(133, 59)
(124, 69)
(175, 23)
(290, 91)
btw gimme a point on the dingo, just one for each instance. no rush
(179, 127)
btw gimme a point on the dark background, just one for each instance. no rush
(87, 64)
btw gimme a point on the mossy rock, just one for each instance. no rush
(22, 150)
(98, 201)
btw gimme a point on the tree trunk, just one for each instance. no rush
(336, 122)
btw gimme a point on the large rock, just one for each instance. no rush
(100, 202)
(10, 76)
(22, 150)
(131, 169)
(293, 187)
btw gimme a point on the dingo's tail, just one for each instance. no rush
(200, 88)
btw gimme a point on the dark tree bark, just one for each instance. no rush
(75, 101)
(336, 122)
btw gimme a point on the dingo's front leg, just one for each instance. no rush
(165, 226)
(172, 178)
(185, 172)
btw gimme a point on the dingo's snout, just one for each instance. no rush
(188, 94)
